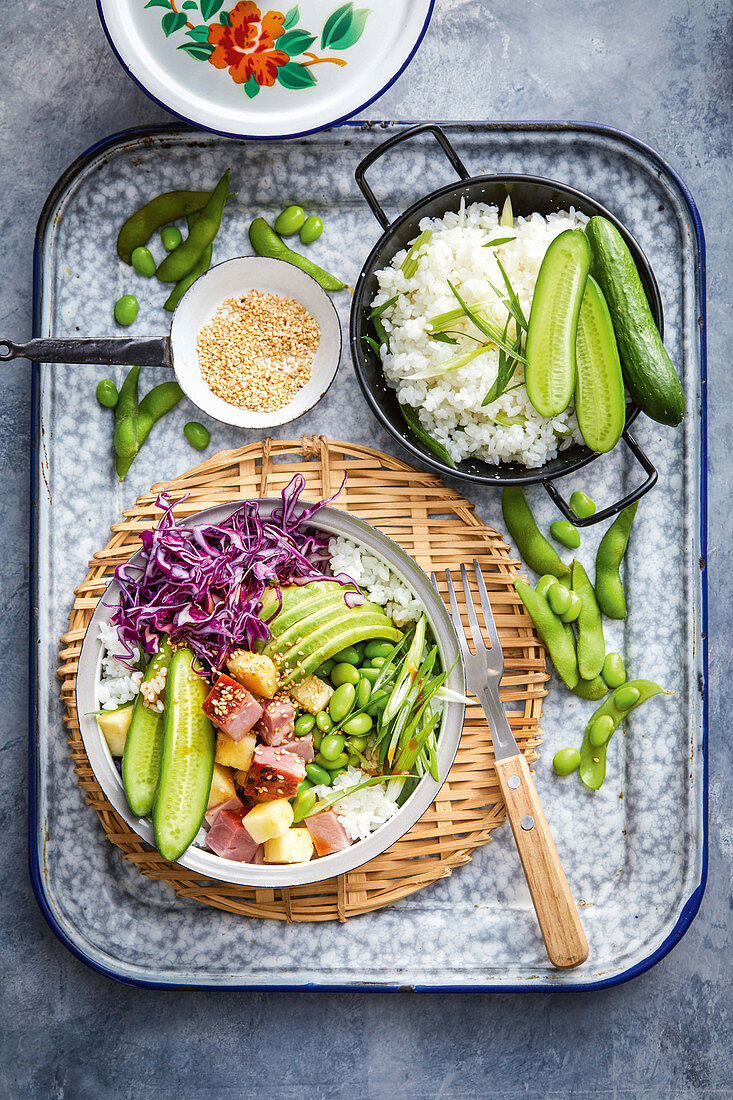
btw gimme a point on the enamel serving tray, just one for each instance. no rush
(635, 852)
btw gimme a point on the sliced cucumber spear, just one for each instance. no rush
(599, 390)
(553, 324)
(144, 744)
(187, 763)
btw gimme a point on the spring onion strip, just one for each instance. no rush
(379, 310)
(410, 263)
(507, 213)
(488, 328)
(407, 673)
(499, 241)
(442, 321)
(338, 796)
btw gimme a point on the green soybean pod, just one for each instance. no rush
(609, 589)
(359, 725)
(266, 242)
(126, 309)
(197, 435)
(532, 545)
(143, 261)
(591, 644)
(591, 689)
(311, 229)
(323, 721)
(613, 671)
(289, 221)
(202, 264)
(107, 394)
(343, 673)
(593, 757)
(155, 405)
(557, 635)
(181, 260)
(545, 583)
(363, 691)
(342, 702)
(303, 724)
(565, 761)
(171, 237)
(140, 226)
(318, 775)
(583, 505)
(125, 437)
(563, 532)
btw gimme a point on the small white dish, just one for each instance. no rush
(204, 862)
(245, 70)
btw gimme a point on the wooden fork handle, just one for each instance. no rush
(556, 911)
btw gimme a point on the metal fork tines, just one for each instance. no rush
(484, 668)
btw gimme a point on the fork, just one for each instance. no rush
(556, 911)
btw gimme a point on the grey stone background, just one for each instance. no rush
(661, 71)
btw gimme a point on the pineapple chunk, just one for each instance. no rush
(114, 724)
(222, 787)
(312, 694)
(268, 820)
(257, 672)
(294, 846)
(235, 754)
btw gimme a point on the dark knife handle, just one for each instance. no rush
(148, 352)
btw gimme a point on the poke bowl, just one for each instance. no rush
(281, 729)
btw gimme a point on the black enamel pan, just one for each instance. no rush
(529, 194)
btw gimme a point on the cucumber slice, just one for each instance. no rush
(549, 374)
(599, 388)
(144, 744)
(650, 375)
(187, 763)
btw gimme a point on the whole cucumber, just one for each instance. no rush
(650, 376)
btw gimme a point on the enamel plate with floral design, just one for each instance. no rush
(247, 70)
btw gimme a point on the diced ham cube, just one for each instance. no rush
(229, 839)
(232, 708)
(273, 773)
(276, 723)
(302, 747)
(328, 833)
(231, 804)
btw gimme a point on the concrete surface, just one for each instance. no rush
(659, 71)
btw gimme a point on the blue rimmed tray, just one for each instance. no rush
(634, 852)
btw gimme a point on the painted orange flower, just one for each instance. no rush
(245, 47)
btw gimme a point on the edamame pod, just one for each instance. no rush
(183, 259)
(609, 589)
(549, 373)
(155, 405)
(144, 744)
(593, 757)
(591, 689)
(557, 635)
(125, 437)
(600, 405)
(591, 644)
(168, 207)
(187, 762)
(266, 242)
(532, 545)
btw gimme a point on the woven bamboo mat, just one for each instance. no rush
(434, 524)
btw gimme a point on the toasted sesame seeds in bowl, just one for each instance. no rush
(255, 342)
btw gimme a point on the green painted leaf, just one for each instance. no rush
(200, 33)
(295, 76)
(189, 5)
(210, 8)
(172, 22)
(201, 51)
(344, 27)
(294, 43)
(157, 4)
(251, 88)
(224, 19)
(291, 18)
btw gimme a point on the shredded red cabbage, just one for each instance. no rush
(204, 585)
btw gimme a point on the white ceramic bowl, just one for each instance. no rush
(334, 522)
(230, 279)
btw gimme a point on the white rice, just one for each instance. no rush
(376, 579)
(363, 812)
(119, 684)
(449, 404)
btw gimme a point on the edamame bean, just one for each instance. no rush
(344, 674)
(311, 229)
(626, 696)
(323, 721)
(582, 504)
(107, 393)
(609, 589)
(532, 545)
(336, 765)
(332, 746)
(171, 237)
(573, 611)
(348, 656)
(613, 671)
(303, 805)
(591, 643)
(369, 674)
(357, 744)
(363, 691)
(126, 309)
(303, 724)
(325, 669)
(318, 775)
(562, 531)
(317, 738)
(559, 599)
(290, 221)
(557, 635)
(354, 761)
(593, 757)
(378, 649)
(545, 583)
(376, 662)
(565, 761)
(342, 701)
(304, 785)
(197, 435)
(143, 261)
(601, 730)
(359, 725)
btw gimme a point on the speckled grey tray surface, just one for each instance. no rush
(633, 852)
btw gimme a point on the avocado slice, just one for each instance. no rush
(293, 617)
(293, 595)
(341, 635)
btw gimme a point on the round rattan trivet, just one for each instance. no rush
(438, 528)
